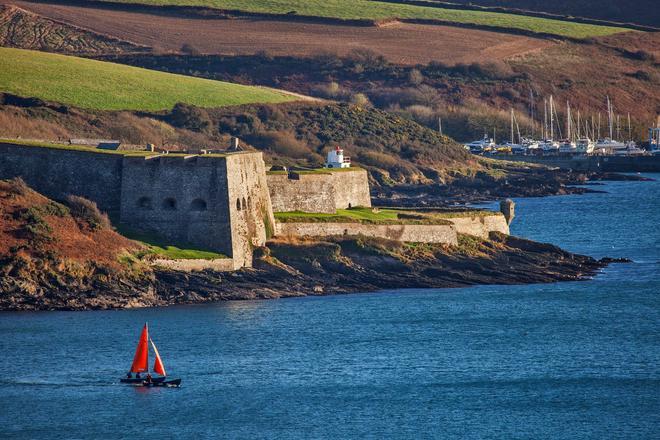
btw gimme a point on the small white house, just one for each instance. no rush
(336, 159)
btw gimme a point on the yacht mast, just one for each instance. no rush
(568, 121)
(578, 125)
(545, 118)
(610, 122)
(512, 141)
(552, 120)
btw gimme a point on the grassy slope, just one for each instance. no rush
(107, 86)
(362, 9)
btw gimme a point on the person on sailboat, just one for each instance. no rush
(129, 375)
(148, 380)
(137, 375)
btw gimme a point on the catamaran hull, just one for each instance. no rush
(155, 382)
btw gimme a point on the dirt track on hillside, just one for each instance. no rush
(398, 42)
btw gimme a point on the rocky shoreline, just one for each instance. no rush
(533, 182)
(305, 268)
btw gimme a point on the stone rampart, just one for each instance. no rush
(302, 192)
(218, 264)
(214, 202)
(59, 172)
(480, 225)
(408, 233)
(323, 192)
(253, 223)
(351, 189)
(183, 199)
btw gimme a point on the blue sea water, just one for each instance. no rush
(562, 361)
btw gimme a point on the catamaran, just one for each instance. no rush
(141, 366)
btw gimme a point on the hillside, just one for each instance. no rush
(49, 250)
(470, 98)
(621, 11)
(100, 85)
(23, 29)
(379, 11)
(401, 43)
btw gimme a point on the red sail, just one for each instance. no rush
(158, 363)
(141, 359)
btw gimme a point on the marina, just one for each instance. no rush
(582, 138)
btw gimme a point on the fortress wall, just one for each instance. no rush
(219, 264)
(408, 233)
(58, 172)
(319, 192)
(250, 210)
(180, 199)
(307, 193)
(480, 226)
(351, 189)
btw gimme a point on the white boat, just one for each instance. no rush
(530, 144)
(630, 149)
(481, 146)
(585, 146)
(567, 147)
(549, 146)
(608, 146)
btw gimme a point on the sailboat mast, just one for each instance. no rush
(610, 116)
(545, 118)
(629, 129)
(512, 141)
(578, 124)
(618, 127)
(552, 120)
(568, 121)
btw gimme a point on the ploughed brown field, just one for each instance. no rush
(399, 42)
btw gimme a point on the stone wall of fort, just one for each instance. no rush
(351, 189)
(302, 192)
(59, 172)
(411, 233)
(215, 202)
(480, 225)
(183, 199)
(319, 192)
(253, 223)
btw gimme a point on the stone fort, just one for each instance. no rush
(221, 202)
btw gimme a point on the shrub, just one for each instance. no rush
(283, 143)
(642, 75)
(640, 55)
(37, 230)
(17, 186)
(190, 117)
(87, 211)
(415, 77)
(189, 49)
(360, 99)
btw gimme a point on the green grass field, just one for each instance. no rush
(107, 86)
(373, 10)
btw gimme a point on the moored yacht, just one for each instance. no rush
(585, 146)
(481, 146)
